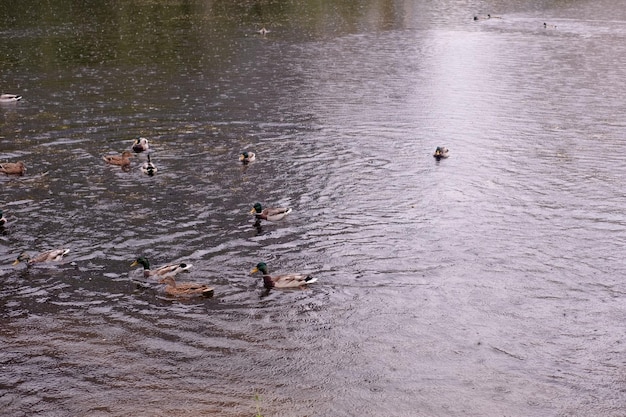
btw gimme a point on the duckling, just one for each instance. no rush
(121, 160)
(441, 152)
(3, 220)
(149, 168)
(283, 280)
(185, 289)
(54, 255)
(13, 168)
(9, 98)
(246, 157)
(271, 214)
(140, 145)
(170, 269)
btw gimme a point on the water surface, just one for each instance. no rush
(485, 284)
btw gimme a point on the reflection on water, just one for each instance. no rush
(483, 284)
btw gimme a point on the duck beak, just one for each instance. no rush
(252, 211)
(135, 263)
(17, 261)
(241, 157)
(255, 270)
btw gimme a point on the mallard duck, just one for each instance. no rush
(9, 98)
(140, 145)
(441, 152)
(3, 220)
(13, 168)
(121, 160)
(54, 255)
(283, 280)
(272, 214)
(185, 289)
(170, 269)
(149, 168)
(246, 157)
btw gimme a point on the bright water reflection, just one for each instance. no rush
(486, 284)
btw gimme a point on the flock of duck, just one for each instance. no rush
(489, 16)
(165, 274)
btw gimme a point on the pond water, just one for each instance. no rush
(489, 283)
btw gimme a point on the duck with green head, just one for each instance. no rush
(247, 157)
(170, 269)
(272, 214)
(282, 280)
(441, 152)
(140, 145)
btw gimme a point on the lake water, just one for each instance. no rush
(489, 283)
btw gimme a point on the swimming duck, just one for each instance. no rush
(283, 280)
(441, 152)
(54, 255)
(185, 289)
(140, 145)
(121, 160)
(13, 168)
(547, 26)
(9, 98)
(272, 214)
(149, 168)
(170, 269)
(3, 220)
(246, 157)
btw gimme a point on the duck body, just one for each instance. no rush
(149, 168)
(272, 214)
(140, 145)
(162, 271)
(282, 280)
(247, 157)
(54, 255)
(13, 168)
(120, 160)
(9, 98)
(441, 152)
(186, 289)
(547, 26)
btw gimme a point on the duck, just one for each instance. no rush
(185, 289)
(9, 98)
(3, 220)
(547, 26)
(13, 168)
(170, 269)
(149, 168)
(263, 31)
(246, 157)
(271, 214)
(53, 255)
(283, 280)
(441, 152)
(140, 145)
(121, 160)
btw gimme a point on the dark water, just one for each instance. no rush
(486, 284)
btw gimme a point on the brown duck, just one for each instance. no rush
(13, 168)
(185, 289)
(121, 160)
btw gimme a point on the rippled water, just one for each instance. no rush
(485, 284)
